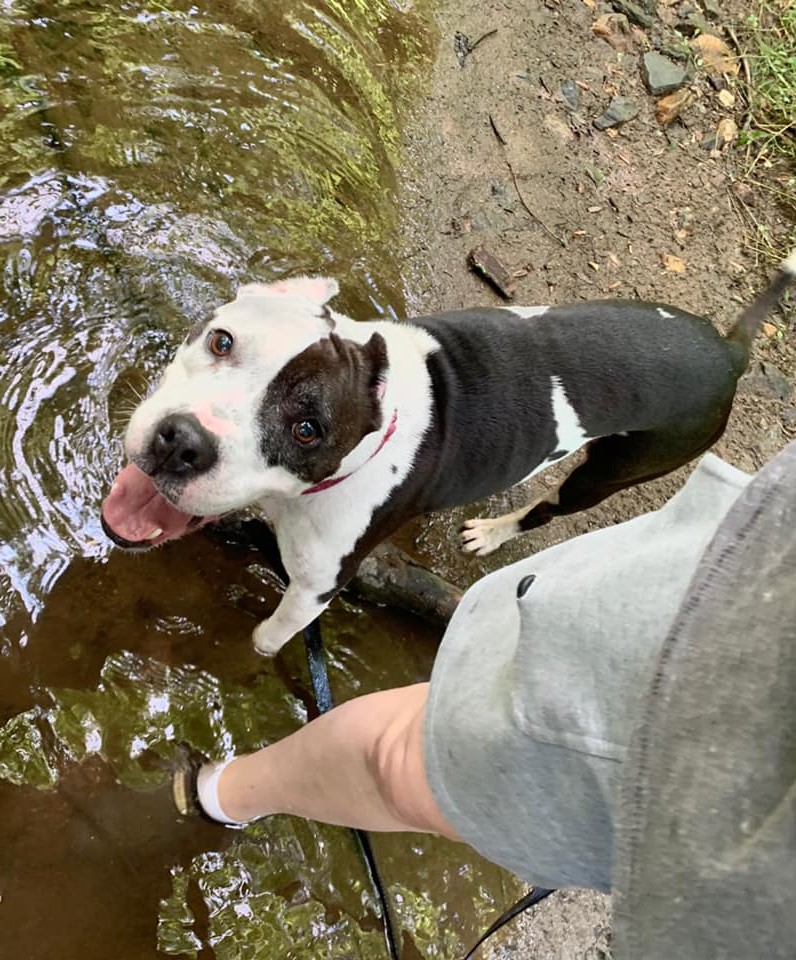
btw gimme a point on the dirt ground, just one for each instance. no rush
(505, 157)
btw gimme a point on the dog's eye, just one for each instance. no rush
(305, 431)
(219, 343)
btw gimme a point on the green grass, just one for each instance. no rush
(770, 134)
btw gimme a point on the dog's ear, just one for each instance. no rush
(375, 352)
(315, 289)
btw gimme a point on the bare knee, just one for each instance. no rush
(398, 768)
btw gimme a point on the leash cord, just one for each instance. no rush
(322, 691)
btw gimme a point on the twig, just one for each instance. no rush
(747, 73)
(502, 141)
(498, 135)
(489, 33)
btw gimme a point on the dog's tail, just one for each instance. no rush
(747, 324)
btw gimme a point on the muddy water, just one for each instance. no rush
(153, 155)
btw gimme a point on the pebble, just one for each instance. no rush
(662, 75)
(571, 94)
(620, 110)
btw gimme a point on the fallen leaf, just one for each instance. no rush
(715, 54)
(726, 132)
(615, 29)
(670, 107)
(769, 329)
(594, 266)
(672, 263)
(726, 98)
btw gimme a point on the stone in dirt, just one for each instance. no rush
(662, 75)
(635, 12)
(620, 110)
(670, 107)
(765, 379)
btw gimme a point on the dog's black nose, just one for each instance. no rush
(181, 446)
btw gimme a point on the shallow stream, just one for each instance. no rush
(154, 155)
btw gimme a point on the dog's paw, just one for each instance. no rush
(265, 643)
(483, 536)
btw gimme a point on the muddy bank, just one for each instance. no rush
(506, 158)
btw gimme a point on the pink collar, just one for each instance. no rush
(333, 481)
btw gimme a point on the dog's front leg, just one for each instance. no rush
(298, 607)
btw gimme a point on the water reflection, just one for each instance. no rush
(153, 155)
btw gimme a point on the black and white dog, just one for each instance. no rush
(339, 431)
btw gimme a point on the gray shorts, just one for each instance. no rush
(533, 700)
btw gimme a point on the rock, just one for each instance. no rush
(662, 75)
(670, 107)
(694, 25)
(571, 94)
(633, 11)
(502, 196)
(620, 110)
(766, 380)
(726, 98)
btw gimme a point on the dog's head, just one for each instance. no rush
(264, 398)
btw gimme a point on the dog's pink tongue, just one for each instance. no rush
(134, 510)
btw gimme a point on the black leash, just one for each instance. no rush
(529, 900)
(319, 675)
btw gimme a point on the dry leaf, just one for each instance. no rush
(615, 29)
(726, 98)
(715, 54)
(672, 263)
(670, 107)
(726, 132)
(769, 329)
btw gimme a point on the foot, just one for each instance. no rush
(194, 787)
(482, 536)
(184, 793)
(265, 643)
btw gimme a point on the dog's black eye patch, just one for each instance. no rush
(318, 408)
